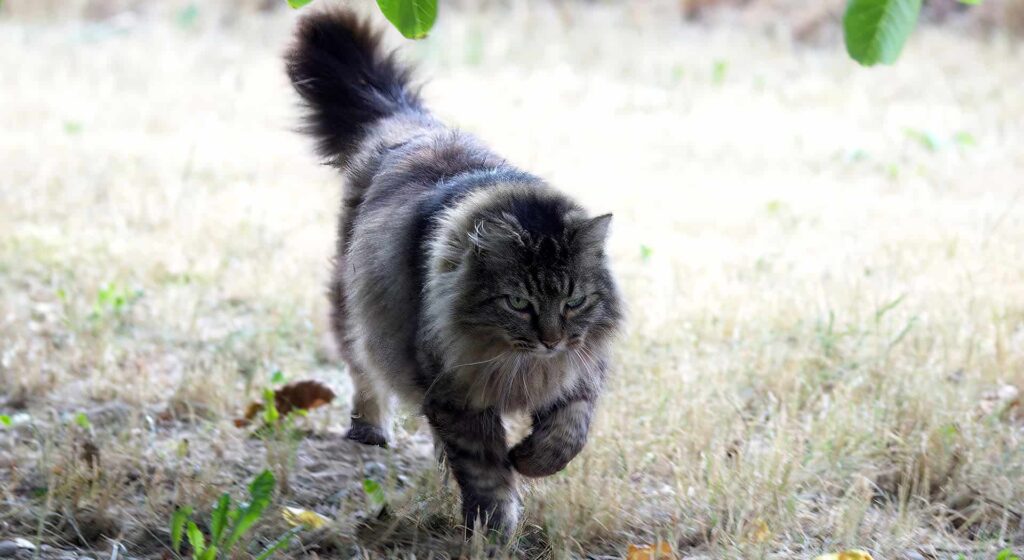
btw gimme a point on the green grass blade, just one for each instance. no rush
(280, 543)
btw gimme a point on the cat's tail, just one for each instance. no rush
(347, 80)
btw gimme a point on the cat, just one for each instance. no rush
(467, 286)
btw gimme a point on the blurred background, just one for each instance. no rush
(824, 266)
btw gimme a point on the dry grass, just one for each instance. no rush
(824, 267)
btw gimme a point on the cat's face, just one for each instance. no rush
(541, 291)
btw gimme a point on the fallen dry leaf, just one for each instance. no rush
(846, 555)
(301, 395)
(303, 517)
(660, 551)
(761, 532)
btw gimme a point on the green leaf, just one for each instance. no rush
(646, 253)
(296, 4)
(5, 420)
(280, 543)
(270, 413)
(876, 30)
(178, 520)
(262, 488)
(195, 538)
(971, 2)
(82, 421)
(413, 18)
(277, 377)
(374, 491)
(219, 519)
(209, 553)
(260, 491)
(1006, 554)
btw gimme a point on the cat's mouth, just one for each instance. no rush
(543, 351)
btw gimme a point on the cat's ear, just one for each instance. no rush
(593, 232)
(497, 234)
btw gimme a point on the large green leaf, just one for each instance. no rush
(260, 491)
(876, 30)
(195, 538)
(178, 520)
(219, 519)
(413, 18)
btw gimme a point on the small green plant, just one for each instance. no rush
(5, 420)
(1007, 554)
(82, 421)
(374, 493)
(280, 435)
(113, 301)
(228, 524)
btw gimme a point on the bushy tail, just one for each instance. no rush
(339, 67)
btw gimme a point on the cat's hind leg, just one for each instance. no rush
(369, 411)
(369, 405)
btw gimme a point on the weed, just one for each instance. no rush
(228, 524)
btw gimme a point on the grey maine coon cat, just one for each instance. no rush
(470, 288)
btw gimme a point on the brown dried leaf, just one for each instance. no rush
(300, 395)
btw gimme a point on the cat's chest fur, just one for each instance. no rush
(512, 382)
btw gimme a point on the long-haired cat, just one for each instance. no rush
(467, 286)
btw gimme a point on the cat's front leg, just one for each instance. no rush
(559, 434)
(474, 446)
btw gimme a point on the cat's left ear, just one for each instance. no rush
(593, 232)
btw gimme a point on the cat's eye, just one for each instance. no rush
(576, 301)
(518, 303)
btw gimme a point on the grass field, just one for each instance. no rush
(824, 267)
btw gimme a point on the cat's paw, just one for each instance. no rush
(367, 434)
(535, 460)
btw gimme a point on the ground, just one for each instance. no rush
(824, 268)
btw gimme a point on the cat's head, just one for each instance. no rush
(528, 273)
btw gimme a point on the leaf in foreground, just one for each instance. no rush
(298, 517)
(846, 555)
(178, 520)
(296, 4)
(413, 18)
(219, 518)
(661, 551)
(876, 30)
(195, 538)
(260, 490)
